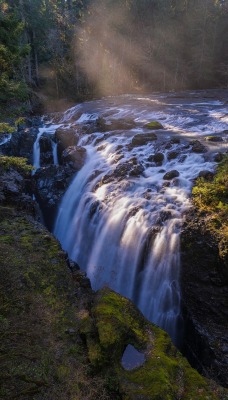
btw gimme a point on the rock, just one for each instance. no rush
(16, 188)
(214, 139)
(218, 157)
(207, 175)
(198, 147)
(172, 155)
(51, 183)
(114, 124)
(65, 137)
(143, 138)
(21, 143)
(157, 158)
(171, 174)
(46, 153)
(74, 156)
(153, 125)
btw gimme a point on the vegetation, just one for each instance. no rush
(18, 163)
(212, 197)
(6, 128)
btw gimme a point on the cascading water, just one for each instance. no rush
(120, 219)
(50, 130)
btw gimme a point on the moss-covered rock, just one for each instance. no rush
(166, 374)
(42, 355)
(153, 125)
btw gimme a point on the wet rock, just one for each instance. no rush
(50, 184)
(157, 158)
(214, 139)
(21, 143)
(65, 137)
(114, 124)
(171, 174)
(207, 175)
(218, 157)
(46, 153)
(172, 155)
(143, 138)
(74, 156)
(198, 147)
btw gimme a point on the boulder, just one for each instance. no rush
(198, 147)
(171, 174)
(158, 158)
(207, 175)
(65, 137)
(214, 139)
(171, 155)
(74, 156)
(143, 138)
(114, 124)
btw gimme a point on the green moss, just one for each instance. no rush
(154, 125)
(18, 163)
(212, 197)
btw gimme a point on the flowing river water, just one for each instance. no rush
(121, 217)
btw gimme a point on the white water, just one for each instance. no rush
(125, 233)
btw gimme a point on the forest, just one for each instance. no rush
(81, 49)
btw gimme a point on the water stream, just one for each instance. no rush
(120, 218)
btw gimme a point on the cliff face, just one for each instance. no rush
(204, 282)
(59, 339)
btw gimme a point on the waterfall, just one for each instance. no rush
(50, 130)
(54, 151)
(121, 219)
(36, 149)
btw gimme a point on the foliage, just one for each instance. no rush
(12, 52)
(77, 49)
(212, 197)
(18, 163)
(6, 128)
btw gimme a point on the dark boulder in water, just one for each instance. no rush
(198, 147)
(74, 156)
(143, 138)
(171, 174)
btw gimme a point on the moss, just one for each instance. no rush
(212, 197)
(154, 125)
(18, 163)
(165, 375)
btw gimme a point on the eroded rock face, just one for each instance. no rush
(50, 184)
(204, 281)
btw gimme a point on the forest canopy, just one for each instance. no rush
(79, 49)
